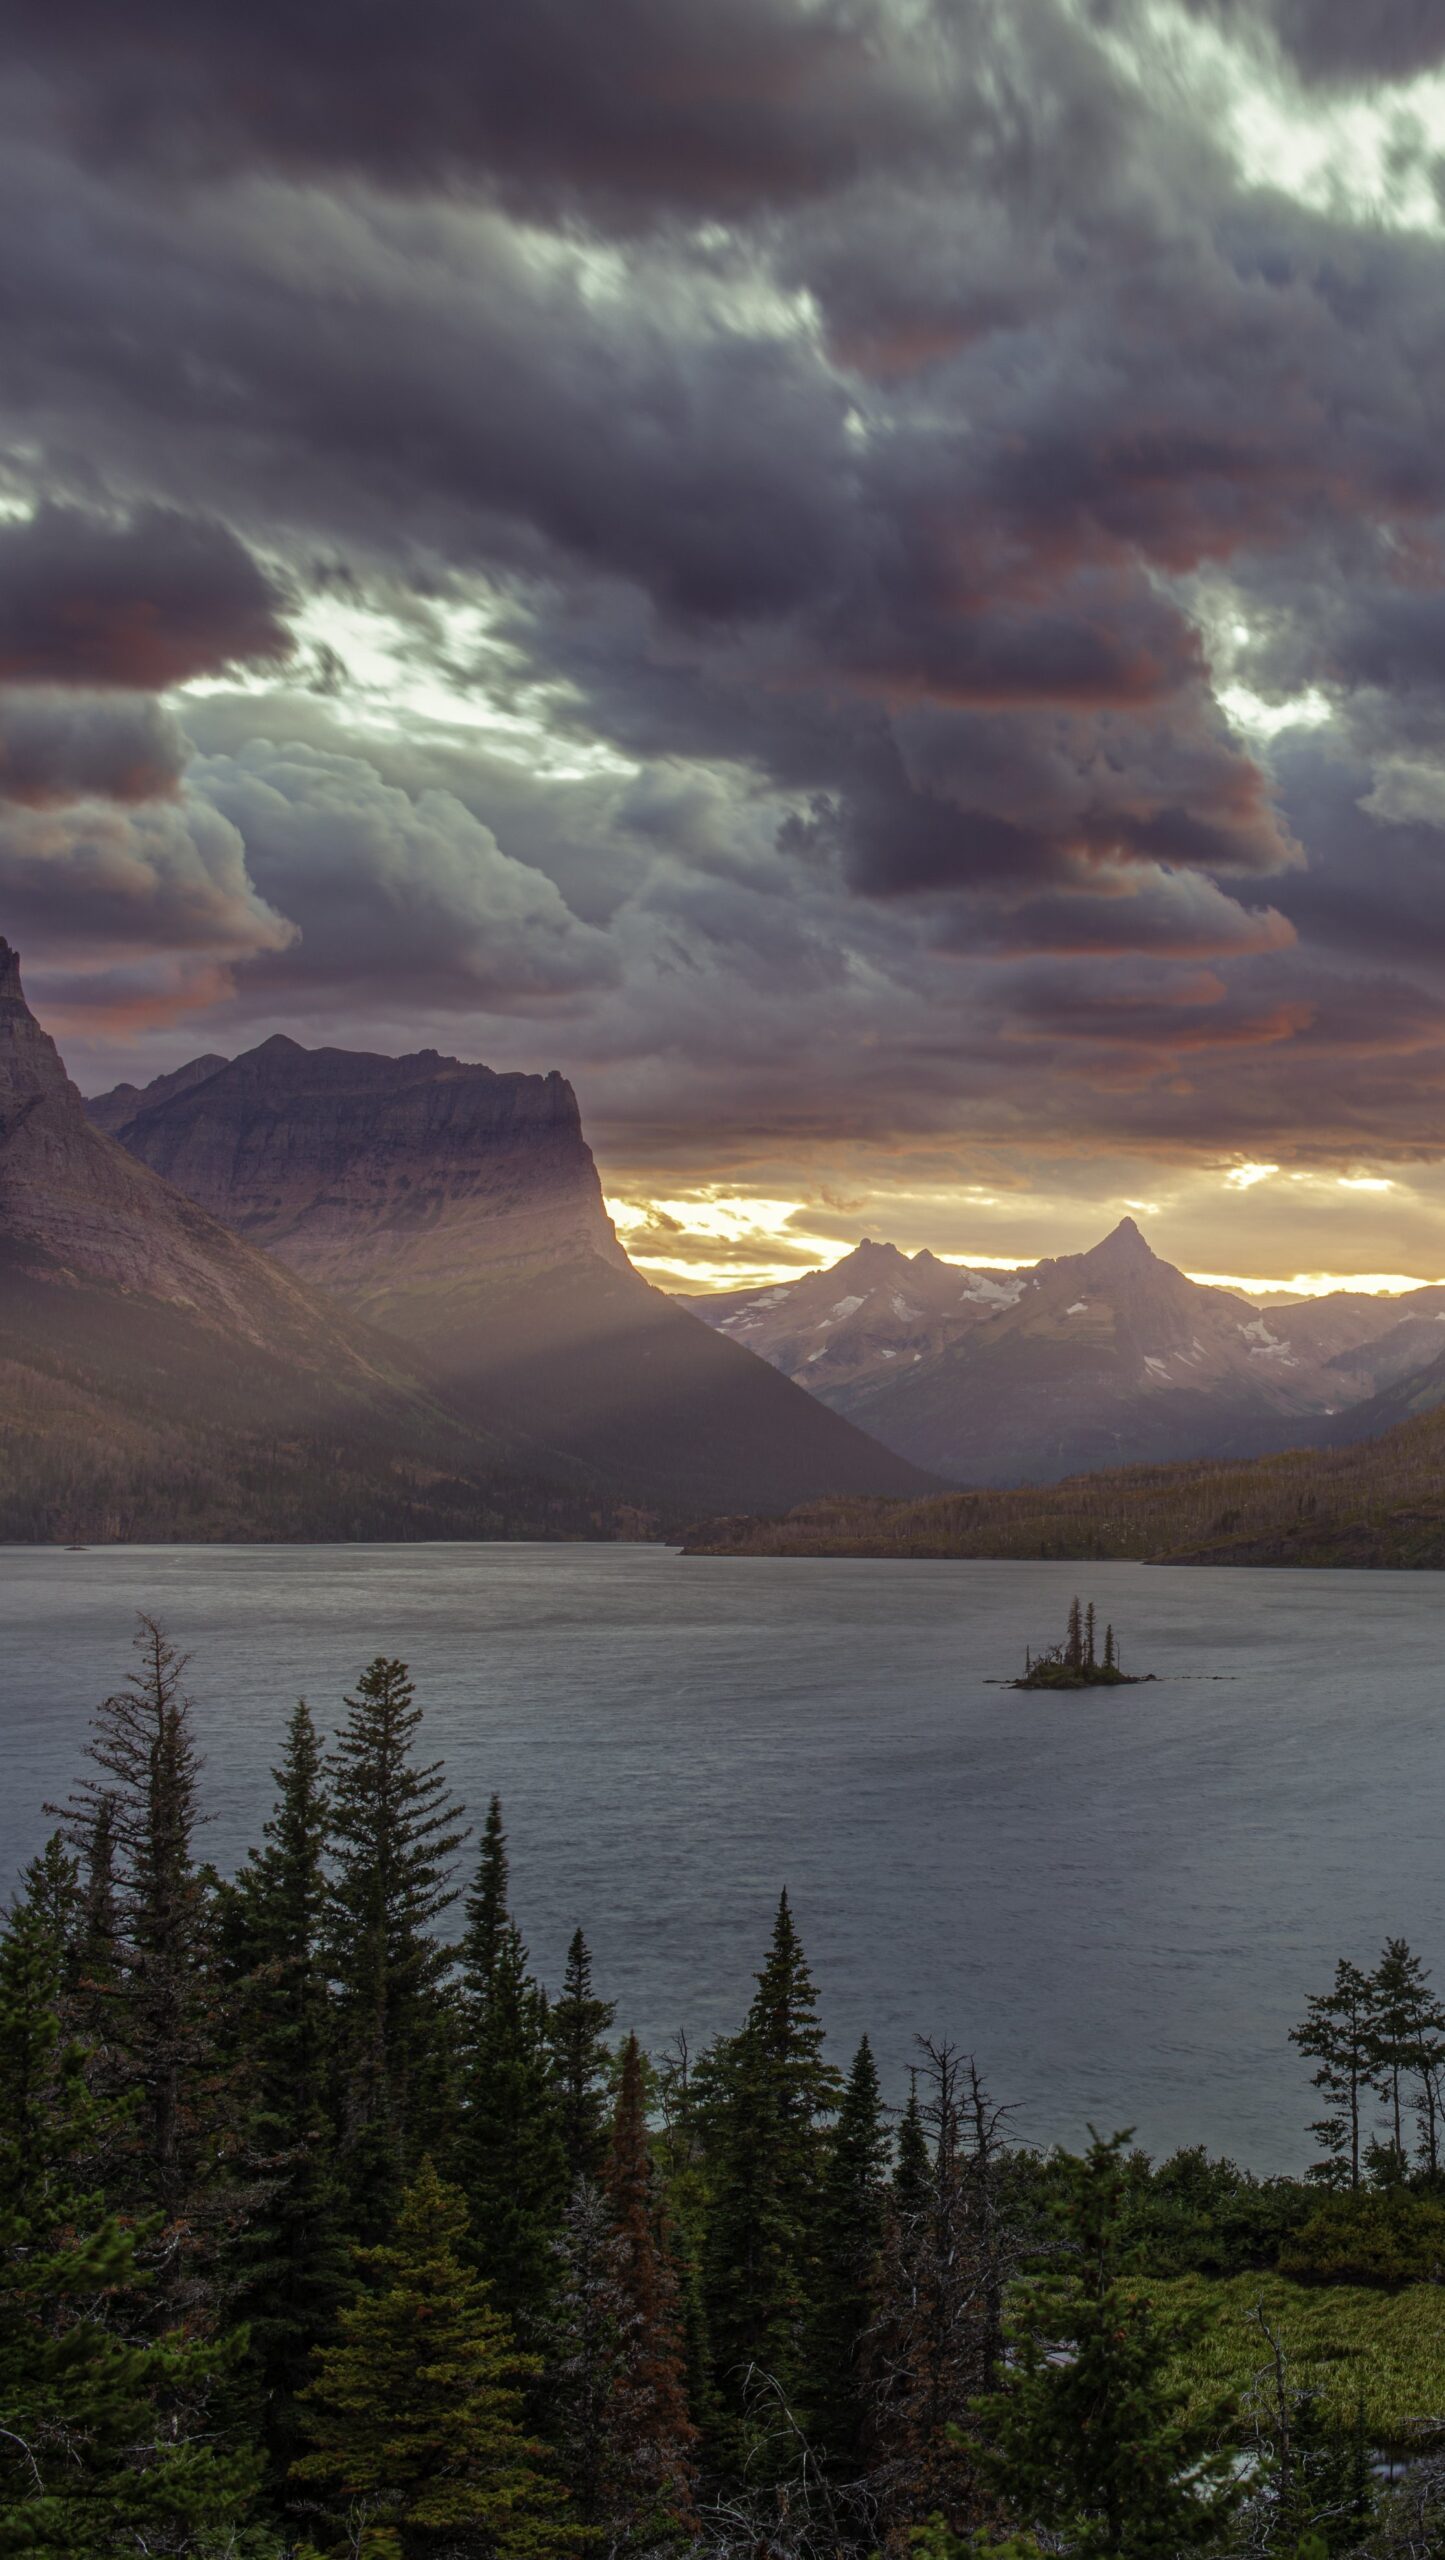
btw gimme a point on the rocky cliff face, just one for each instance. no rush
(70, 1194)
(382, 1177)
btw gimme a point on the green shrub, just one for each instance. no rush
(1390, 2239)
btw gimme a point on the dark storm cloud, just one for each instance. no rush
(559, 102)
(860, 422)
(56, 747)
(141, 603)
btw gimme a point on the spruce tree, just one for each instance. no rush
(577, 2025)
(291, 2266)
(851, 2224)
(395, 1830)
(415, 2414)
(513, 2165)
(772, 2096)
(105, 2441)
(1100, 2448)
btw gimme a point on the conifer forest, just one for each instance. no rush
(336, 2226)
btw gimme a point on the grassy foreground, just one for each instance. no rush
(1339, 2340)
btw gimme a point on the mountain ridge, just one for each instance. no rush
(459, 1209)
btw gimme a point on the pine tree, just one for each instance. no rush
(99, 2447)
(486, 1910)
(514, 2169)
(1090, 1658)
(291, 2266)
(1337, 2032)
(1111, 1658)
(415, 2415)
(655, 2427)
(395, 1831)
(577, 2024)
(772, 2095)
(851, 2228)
(1100, 2448)
(136, 1828)
(910, 2172)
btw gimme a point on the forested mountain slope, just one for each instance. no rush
(1378, 1503)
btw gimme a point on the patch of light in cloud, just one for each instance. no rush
(1363, 1182)
(388, 682)
(1250, 710)
(1366, 158)
(1243, 1177)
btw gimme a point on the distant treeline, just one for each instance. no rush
(324, 2230)
(1380, 1502)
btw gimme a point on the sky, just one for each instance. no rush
(865, 577)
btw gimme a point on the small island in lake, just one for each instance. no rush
(1077, 1663)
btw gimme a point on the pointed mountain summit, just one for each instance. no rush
(874, 1313)
(460, 1209)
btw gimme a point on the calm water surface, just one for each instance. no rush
(1119, 1903)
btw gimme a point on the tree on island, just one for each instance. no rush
(1075, 1663)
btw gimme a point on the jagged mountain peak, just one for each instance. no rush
(1124, 1245)
(9, 973)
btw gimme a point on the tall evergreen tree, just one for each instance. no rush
(105, 2445)
(911, 2164)
(850, 2239)
(1407, 2044)
(772, 2096)
(415, 2415)
(138, 1823)
(1100, 2448)
(1074, 1640)
(291, 2265)
(395, 1831)
(513, 2165)
(576, 2030)
(656, 2429)
(486, 1910)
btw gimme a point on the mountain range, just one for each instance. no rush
(380, 1298)
(1094, 1360)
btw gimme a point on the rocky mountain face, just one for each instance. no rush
(1093, 1360)
(461, 1210)
(160, 1377)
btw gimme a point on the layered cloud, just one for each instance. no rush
(862, 574)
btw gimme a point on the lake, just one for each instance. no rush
(1120, 1902)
